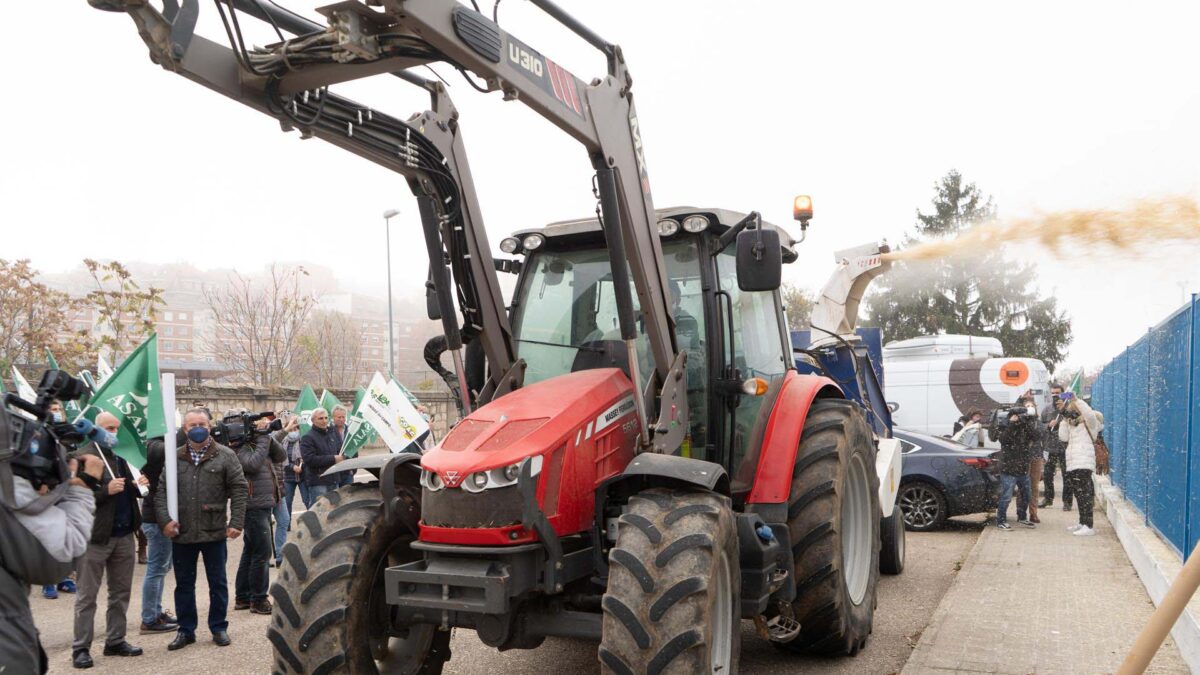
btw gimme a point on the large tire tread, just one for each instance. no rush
(658, 609)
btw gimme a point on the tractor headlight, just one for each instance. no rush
(509, 244)
(667, 227)
(511, 472)
(431, 481)
(476, 482)
(533, 241)
(695, 224)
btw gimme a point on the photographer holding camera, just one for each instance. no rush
(1016, 430)
(258, 454)
(1079, 430)
(46, 512)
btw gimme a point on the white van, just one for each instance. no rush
(934, 380)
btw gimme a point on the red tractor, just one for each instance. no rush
(644, 460)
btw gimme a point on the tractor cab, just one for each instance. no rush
(564, 317)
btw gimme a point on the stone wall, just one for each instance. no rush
(220, 399)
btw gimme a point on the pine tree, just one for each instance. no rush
(975, 292)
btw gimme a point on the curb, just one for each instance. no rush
(1156, 564)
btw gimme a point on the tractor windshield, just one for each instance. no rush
(566, 317)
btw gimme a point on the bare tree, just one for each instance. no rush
(331, 349)
(125, 309)
(33, 317)
(260, 323)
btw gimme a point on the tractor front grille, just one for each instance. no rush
(455, 507)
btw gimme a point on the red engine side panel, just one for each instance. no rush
(582, 424)
(773, 478)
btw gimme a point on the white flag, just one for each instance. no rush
(103, 370)
(23, 389)
(388, 410)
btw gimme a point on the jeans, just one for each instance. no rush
(158, 563)
(253, 578)
(315, 492)
(1006, 488)
(184, 557)
(289, 494)
(1085, 493)
(283, 520)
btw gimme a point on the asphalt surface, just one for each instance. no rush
(906, 605)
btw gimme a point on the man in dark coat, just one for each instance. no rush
(210, 480)
(1017, 434)
(320, 450)
(112, 550)
(258, 456)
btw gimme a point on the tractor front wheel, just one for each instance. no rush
(330, 613)
(673, 603)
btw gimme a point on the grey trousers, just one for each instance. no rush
(118, 558)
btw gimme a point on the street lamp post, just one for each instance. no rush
(387, 216)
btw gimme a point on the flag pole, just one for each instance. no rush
(170, 467)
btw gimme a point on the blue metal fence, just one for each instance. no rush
(1149, 395)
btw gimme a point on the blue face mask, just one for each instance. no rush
(60, 417)
(293, 437)
(197, 434)
(106, 439)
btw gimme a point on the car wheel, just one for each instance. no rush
(923, 505)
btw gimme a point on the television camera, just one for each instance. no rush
(236, 429)
(32, 445)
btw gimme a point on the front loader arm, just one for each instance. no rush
(289, 80)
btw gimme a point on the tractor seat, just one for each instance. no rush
(601, 354)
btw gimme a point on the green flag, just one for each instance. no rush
(359, 432)
(304, 406)
(1077, 384)
(329, 401)
(70, 408)
(132, 394)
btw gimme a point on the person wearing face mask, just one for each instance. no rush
(1016, 430)
(155, 619)
(1079, 430)
(1037, 461)
(210, 480)
(112, 550)
(50, 591)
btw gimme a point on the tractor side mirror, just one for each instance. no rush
(759, 260)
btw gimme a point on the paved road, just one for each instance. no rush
(906, 604)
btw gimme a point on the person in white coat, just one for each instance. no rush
(1079, 432)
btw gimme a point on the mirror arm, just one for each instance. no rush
(730, 235)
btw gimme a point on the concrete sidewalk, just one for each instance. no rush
(1041, 601)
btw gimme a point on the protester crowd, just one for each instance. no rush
(1066, 435)
(244, 489)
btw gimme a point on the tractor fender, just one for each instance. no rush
(675, 469)
(777, 457)
(372, 463)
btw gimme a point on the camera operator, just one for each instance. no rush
(258, 453)
(46, 513)
(1016, 430)
(112, 549)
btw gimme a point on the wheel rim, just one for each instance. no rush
(399, 655)
(920, 506)
(856, 530)
(722, 644)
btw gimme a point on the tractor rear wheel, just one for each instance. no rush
(833, 519)
(673, 603)
(330, 612)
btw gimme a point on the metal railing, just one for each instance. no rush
(1149, 395)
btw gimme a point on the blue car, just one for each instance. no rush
(943, 478)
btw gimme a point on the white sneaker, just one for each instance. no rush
(1072, 528)
(1084, 531)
